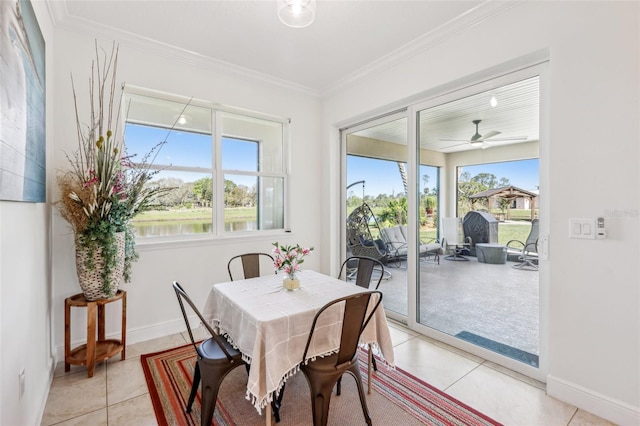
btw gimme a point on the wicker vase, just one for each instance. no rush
(90, 272)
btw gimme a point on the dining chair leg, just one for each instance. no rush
(194, 387)
(370, 358)
(276, 404)
(211, 377)
(355, 372)
(321, 390)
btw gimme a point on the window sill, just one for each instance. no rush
(187, 241)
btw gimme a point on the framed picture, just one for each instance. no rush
(22, 104)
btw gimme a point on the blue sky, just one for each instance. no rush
(383, 177)
(191, 150)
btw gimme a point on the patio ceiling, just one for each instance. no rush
(449, 127)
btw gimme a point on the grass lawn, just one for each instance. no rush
(195, 214)
(506, 232)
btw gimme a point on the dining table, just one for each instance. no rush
(270, 326)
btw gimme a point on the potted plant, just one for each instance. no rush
(103, 190)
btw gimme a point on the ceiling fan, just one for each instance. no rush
(477, 138)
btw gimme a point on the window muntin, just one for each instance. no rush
(245, 187)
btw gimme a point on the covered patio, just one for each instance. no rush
(494, 306)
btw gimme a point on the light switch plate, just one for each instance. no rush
(584, 229)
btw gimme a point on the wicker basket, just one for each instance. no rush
(90, 279)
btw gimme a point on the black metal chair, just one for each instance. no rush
(250, 264)
(362, 268)
(216, 359)
(323, 373)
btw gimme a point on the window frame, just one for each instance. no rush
(216, 172)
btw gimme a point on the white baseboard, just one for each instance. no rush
(603, 406)
(135, 335)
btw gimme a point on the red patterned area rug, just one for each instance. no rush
(397, 398)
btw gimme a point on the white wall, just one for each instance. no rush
(152, 309)
(25, 288)
(593, 158)
(591, 163)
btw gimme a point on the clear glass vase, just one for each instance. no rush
(291, 282)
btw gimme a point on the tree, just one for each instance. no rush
(203, 190)
(396, 212)
(468, 186)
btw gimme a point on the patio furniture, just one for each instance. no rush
(528, 250)
(495, 254)
(451, 239)
(360, 240)
(481, 227)
(396, 239)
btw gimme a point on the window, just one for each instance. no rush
(225, 169)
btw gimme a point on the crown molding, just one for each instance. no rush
(62, 19)
(463, 22)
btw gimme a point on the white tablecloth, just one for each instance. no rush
(270, 326)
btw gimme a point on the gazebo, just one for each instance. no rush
(508, 193)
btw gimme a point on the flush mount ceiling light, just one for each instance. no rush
(297, 13)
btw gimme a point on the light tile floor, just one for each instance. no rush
(117, 394)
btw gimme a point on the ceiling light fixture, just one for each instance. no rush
(297, 13)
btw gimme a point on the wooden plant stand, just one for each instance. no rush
(94, 350)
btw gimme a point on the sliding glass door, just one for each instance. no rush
(376, 202)
(486, 143)
(447, 195)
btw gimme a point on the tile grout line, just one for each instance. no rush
(465, 375)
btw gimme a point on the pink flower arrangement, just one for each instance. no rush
(289, 258)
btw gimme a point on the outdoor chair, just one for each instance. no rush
(250, 263)
(360, 240)
(451, 239)
(323, 373)
(396, 239)
(216, 359)
(527, 252)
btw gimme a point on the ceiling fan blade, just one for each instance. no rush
(454, 145)
(488, 135)
(508, 138)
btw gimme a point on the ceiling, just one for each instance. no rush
(348, 40)
(512, 118)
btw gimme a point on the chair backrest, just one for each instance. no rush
(250, 263)
(362, 268)
(531, 243)
(394, 237)
(354, 321)
(183, 297)
(451, 230)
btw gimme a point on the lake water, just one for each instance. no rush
(165, 229)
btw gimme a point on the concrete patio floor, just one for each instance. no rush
(495, 302)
